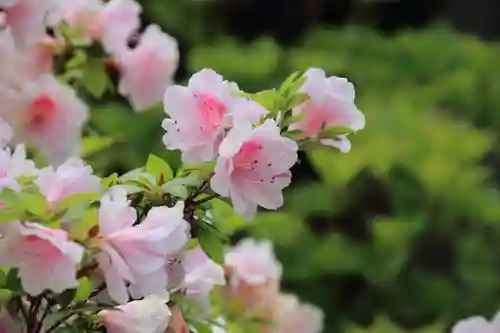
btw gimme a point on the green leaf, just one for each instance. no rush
(84, 289)
(93, 144)
(94, 78)
(109, 181)
(13, 282)
(88, 221)
(158, 167)
(293, 119)
(225, 218)
(268, 99)
(7, 216)
(78, 60)
(297, 99)
(201, 327)
(212, 243)
(293, 134)
(5, 295)
(334, 131)
(292, 84)
(3, 275)
(77, 199)
(35, 204)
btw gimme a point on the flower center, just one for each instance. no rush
(249, 155)
(212, 110)
(41, 110)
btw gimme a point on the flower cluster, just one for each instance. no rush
(40, 108)
(211, 119)
(144, 252)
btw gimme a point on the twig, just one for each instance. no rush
(201, 201)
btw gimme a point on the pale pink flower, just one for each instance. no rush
(149, 315)
(5, 133)
(70, 178)
(201, 275)
(331, 103)
(253, 262)
(28, 20)
(39, 58)
(291, 316)
(148, 69)
(81, 14)
(46, 258)
(477, 324)
(254, 167)
(9, 324)
(14, 165)
(200, 113)
(137, 254)
(45, 114)
(120, 19)
(7, 3)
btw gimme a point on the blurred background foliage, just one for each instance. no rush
(402, 233)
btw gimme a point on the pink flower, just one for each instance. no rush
(291, 316)
(5, 133)
(28, 19)
(14, 165)
(331, 103)
(253, 167)
(18, 67)
(82, 14)
(253, 262)
(137, 254)
(120, 18)
(45, 257)
(201, 276)
(477, 324)
(9, 324)
(150, 315)
(200, 114)
(70, 178)
(42, 112)
(40, 57)
(148, 69)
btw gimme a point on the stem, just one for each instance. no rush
(201, 201)
(45, 313)
(32, 321)
(96, 292)
(59, 323)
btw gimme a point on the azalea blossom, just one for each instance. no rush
(157, 57)
(149, 315)
(254, 167)
(331, 103)
(5, 133)
(41, 113)
(27, 20)
(120, 19)
(45, 257)
(200, 113)
(111, 23)
(8, 324)
(291, 316)
(201, 275)
(254, 273)
(19, 67)
(70, 178)
(477, 324)
(253, 261)
(137, 254)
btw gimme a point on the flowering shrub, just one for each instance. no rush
(144, 251)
